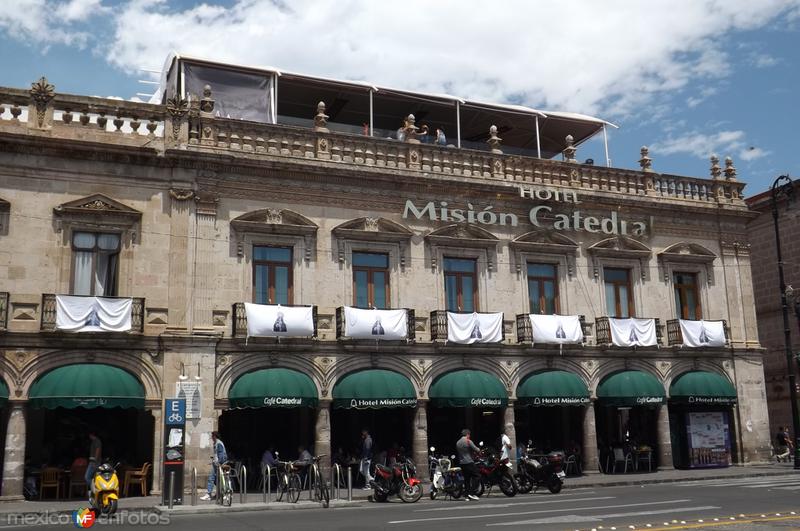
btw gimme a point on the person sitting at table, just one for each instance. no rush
(268, 457)
(304, 459)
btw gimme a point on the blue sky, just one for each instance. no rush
(686, 77)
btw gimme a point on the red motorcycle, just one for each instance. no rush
(495, 471)
(399, 480)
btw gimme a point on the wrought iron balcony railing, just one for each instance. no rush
(675, 336)
(602, 330)
(3, 310)
(525, 333)
(49, 312)
(439, 325)
(410, 323)
(240, 318)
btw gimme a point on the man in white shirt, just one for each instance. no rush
(505, 442)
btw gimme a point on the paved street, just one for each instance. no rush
(717, 504)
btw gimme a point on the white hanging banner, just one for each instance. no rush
(93, 314)
(375, 324)
(702, 333)
(633, 332)
(274, 320)
(468, 328)
(559, 329)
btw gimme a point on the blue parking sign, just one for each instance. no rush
(175, 411)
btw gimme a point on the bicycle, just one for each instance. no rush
(288, 481)
(224, 486)
(319, 486)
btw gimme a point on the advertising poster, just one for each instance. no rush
(708, 436)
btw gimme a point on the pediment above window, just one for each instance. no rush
(543, 241)
(620, 247)
(98, 212)
(462, 235)
(687, 252)
(275, 221)
(372, 229)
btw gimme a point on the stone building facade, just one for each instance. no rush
(767, 296)
(192, 197)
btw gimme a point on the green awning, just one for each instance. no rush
(468, 388)
(552, 388)
(3, 393)
(88, 385)
(273, 388)
(702, 388)
(630, 388)
(374, 389)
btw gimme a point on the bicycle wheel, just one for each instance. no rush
(325, 494)
(281, 487)
(293, 492)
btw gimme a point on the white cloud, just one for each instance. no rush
(703, 145)
(75, 10)
(44, 22)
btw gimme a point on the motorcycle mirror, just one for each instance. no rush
(277, 454)
(480, 444)
(433, 449)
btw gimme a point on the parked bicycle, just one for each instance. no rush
(288, 481)
(225, 485)
(318, 485)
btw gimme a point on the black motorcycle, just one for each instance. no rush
(495, 471)
(399, 479)
(533, 474)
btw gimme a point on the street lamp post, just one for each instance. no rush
(784, 187)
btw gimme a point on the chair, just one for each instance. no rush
(646, 456)
(77, 478)
(621, 457)
(51, 479)
(137, 476)
(572, 463)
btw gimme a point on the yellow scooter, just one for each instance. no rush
(104, 490)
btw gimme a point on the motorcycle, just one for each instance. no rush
(399, 479)
(495, 471)
(445, 478)
(533, 474)
(104, 490)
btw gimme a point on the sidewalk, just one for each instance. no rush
(255, 500)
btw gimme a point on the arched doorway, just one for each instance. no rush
(69, 402)
(269, 408)
(466, 398)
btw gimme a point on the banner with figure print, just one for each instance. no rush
(468, 328)
(558, 329)
(274, 320)
(702, 333)
(375, 324)
(633, 332)
(93, 314)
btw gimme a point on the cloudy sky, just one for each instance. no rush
(686, 77)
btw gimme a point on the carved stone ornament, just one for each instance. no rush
(273, 215)
(177, 108)
(41, 93)
(321, 119)
(371, 224)
(97, 204)
(570, 151)
(645, 162)
(181, 194)
(494, 141)
(207, 103)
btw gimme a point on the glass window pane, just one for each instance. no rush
(451, 292)
(678, 303)
(468, 302)
(361, 288)
(83, 240)
(371, 260)
(459, 265)
(616, 275)
(542, 270)
(691, 304)
(273, 254)
(611, 304)
(549, 297)
(281, 285)
(623, 301)
(82, 275)
(534, 295)
(379, 289)
(261, 278)
(108, 242)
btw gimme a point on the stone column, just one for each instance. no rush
(508, 418)
(590, 457)
(664, 439)
(158, 453)
(419, 449)
(322, 437)
(14, 462)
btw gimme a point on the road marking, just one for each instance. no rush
(792, 487)
(573, 518)
(474, 516)
(729, 523)
(464, 506)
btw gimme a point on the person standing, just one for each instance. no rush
(218, 456)
(784, 443)
(505, 442)
(95, 454)
(464, 448)
(440, 138)
(366, 458)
